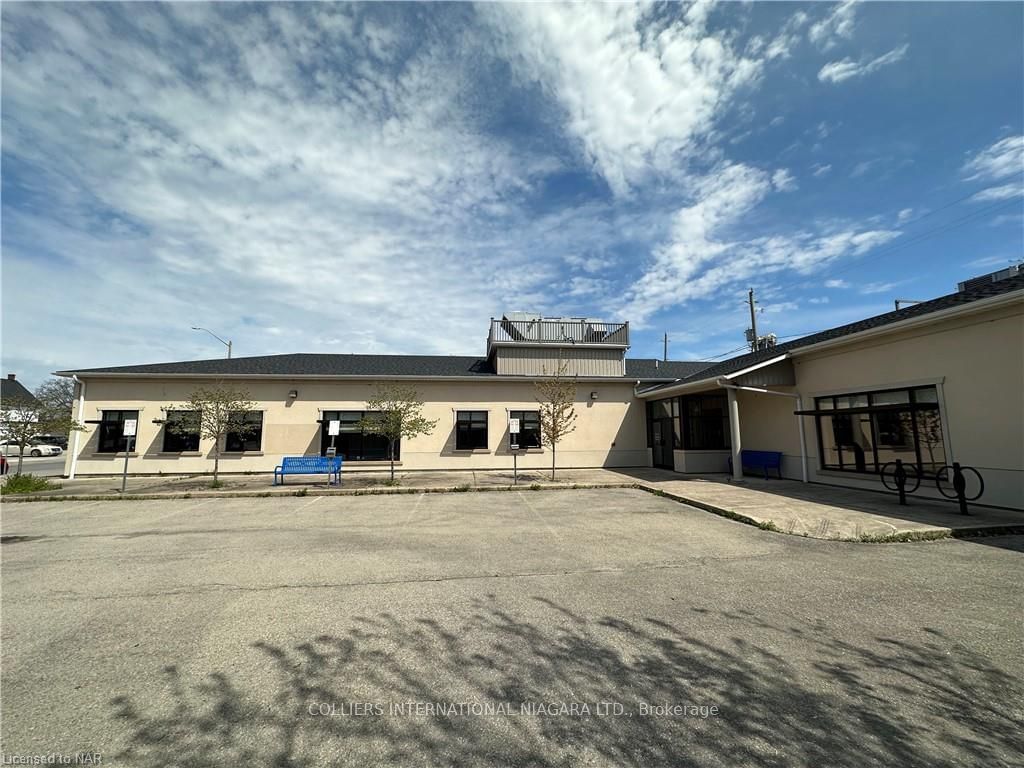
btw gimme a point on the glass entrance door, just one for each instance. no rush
(661, 439)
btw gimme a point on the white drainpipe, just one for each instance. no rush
(81, 416)
(737, 470)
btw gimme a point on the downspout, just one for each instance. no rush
(81, 415)
(800, 424)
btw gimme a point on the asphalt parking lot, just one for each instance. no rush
(555, 628)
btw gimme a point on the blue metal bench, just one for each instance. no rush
(309, 465)
(763, 460)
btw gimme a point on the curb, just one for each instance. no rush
(372, 491)
(928, 534)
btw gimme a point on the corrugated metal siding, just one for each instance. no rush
(538, 361)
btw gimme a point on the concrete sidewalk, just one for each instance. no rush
(812, 510)
(825, 511)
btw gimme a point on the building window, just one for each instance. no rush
(470, 430)
(865, 431)
(111, 438)
(529, 429)
(352, 443)
(252, 439)
(706, 423)
(176, 441)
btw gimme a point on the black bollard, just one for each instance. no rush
(900, 476)
(960, 486)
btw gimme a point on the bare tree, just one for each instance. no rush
(556, 396)
(396, 412)
(57, 395)
(24, 417)
(213, 413)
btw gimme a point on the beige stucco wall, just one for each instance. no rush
(610, 429)
(978, 363)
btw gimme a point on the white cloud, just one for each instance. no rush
(818, 300)
(702, 255)
(1001, 192)
(783, 180)
(990, 261)
(836, 26)
(872, 288)
(637, 92)
(840, 71)
(904, 215)
(1004, 158)
(256, 177)
(781, 47)
(818, 170)
(836, 283)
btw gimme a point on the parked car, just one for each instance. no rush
(10, 448)
(61, 441)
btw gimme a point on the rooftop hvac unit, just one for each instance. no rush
(992, 277)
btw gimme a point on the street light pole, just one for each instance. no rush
(218, 338)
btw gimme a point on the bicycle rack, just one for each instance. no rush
(899, 478)
(959, 484)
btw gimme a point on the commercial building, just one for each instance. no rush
(931, 383)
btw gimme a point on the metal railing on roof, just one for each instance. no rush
(546, 330)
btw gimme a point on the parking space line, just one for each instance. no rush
(310, 503)
(529, 505)
(412, 512)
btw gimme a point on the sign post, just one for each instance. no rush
(513, 431)
(333, 429)
(128, 433)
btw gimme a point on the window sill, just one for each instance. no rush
(111, 454)
(472, 450)
(239, 454)
(174, 454)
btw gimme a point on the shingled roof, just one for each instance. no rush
(366, 365)
(948, 301)
(12, 389)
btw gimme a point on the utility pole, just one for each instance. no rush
(753, 320)
(664, 354)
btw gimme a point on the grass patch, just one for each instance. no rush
(769, 525)
(215, 484)
(27, 484)
(464, 488)
(392, 483)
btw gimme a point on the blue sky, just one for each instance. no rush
(384, 178)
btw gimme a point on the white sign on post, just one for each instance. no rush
(513, 426)
(130, 425)
(334, 427)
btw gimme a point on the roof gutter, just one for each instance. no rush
(333, 377)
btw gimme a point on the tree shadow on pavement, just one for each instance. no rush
(788, 695)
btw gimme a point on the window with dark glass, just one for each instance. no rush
(251, 439)
(353, 443)
(705, 422)
(111, 431)
(529, 429)
(176, 440)
(862, 432)
(470, 430)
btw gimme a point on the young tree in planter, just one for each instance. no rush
(22, 418)
(396, 413)
(556, 396)
(213, 413)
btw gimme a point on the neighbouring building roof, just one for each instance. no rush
(366, 365)
(949, 301)
(12, 389)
